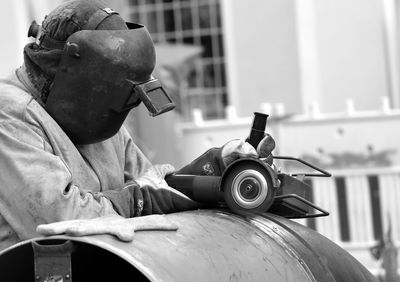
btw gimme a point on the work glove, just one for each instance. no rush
(149, 194)
(265, 148)
(155, 176)
(123, 228)
(237, 149)
(215, 160)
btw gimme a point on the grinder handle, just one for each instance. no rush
(257, 131)
(199, 188)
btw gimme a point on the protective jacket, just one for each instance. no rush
(45, 178)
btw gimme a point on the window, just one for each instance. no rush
(194, 22)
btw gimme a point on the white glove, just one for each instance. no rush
(123, 228)
(265, 148)
(237, 149)
(155, 176)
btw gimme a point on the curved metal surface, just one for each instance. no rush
(216, 245)
(315, 250)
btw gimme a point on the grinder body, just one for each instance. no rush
(253, 184)
(246, 184)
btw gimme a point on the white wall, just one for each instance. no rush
(340, 135)
(300, 52)
(362, 133)
(12, 41)
(351, 46)
(261, 54)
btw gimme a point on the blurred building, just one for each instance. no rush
(326, 72)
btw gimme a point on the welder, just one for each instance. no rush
(65, 154)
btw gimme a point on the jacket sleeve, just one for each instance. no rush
(134, 201)
(36, 186)
(136, 163)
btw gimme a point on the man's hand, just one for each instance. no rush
(237, 149)
(215, 160)
(123, 228)
(266, 146)
(155, 176)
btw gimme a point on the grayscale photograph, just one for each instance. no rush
(200, 140)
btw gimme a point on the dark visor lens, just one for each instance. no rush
(154, 97)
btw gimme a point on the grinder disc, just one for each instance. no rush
(248, 186)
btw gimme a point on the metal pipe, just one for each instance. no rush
(210, 245)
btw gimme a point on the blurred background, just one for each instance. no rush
(327, 72)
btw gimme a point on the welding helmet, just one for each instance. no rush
(102, 74)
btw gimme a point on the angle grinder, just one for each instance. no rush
(247, 184)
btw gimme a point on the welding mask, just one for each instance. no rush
(101, 76)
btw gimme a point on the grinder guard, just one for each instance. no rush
(249, 184)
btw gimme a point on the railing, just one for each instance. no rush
(363, 204)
